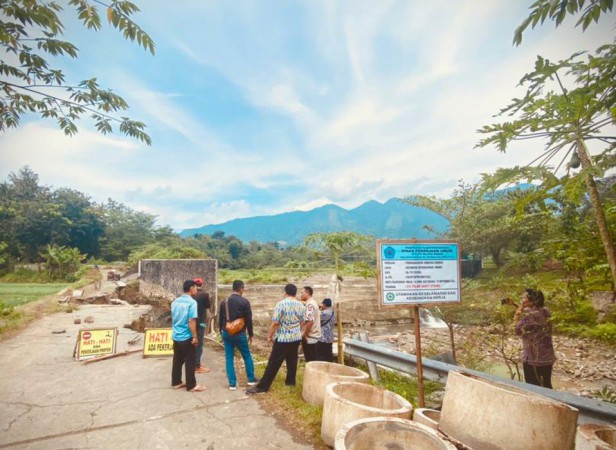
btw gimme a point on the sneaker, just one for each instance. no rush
(232, 388)
(252, 383)
(255, 390)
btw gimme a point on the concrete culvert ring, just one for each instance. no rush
(348, 401)
(389, 433)
(594, 436)
(319, 374)
(428, 417)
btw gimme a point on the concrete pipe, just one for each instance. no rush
(594, 436)
(319, 374)
(348, 401)
(428, 417)
(389, 433)
(483, 414)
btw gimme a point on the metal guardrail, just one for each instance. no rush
(590, 410)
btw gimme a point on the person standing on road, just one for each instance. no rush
(203, 304)
(239, 307)
(328, 319)
(285, 334)
(533, 324)
(185, 339)
(98, 277)
(311, 329)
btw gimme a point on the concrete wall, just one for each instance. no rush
(163, 278)
(358, 297)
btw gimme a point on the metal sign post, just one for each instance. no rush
(418, 273)
(420, 385)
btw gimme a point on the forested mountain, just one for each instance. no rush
(392, 219)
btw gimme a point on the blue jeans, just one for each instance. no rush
(199, 350)
(240, 341)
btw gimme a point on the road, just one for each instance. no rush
(50, 401)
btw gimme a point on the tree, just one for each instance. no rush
(482, 221)
(125, 230)
(84, 222)
(335, 246)
(567, 118)
(61, 261)
(31, 31)
(558, 10)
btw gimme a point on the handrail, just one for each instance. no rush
(590, 409)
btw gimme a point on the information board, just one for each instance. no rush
(96, 342)
(413, 272)
(158, 342)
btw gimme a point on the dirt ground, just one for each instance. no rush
(583, 366)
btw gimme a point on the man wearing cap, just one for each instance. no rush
(203, 304)
(328, 319)
(184, 334)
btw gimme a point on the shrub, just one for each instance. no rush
(23, 275)
(604, 332)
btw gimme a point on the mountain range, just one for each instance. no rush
(393, 219)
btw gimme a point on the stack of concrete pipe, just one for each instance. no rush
(477, 413)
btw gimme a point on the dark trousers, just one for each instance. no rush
(199, 349)
(538, 375)
(281, 351)
(325, 352)
(310, 351)
(183, 354)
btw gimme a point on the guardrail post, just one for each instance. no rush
(373, 370)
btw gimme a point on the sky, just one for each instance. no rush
(263, 107)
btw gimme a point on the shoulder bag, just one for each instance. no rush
(233, 327)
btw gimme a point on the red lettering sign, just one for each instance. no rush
(87, 335)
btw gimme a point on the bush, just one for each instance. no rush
(6, 309)
(23, 275)
(161, 250)
(564, 318)
(604, 332)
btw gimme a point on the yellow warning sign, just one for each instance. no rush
(96, 342)
(157, 342)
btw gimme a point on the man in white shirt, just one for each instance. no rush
(311, 330)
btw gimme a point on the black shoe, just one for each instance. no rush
(253, 383)
(255, 390)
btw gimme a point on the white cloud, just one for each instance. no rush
(259, 113)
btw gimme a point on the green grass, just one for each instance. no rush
(15, 294)
(287, 402)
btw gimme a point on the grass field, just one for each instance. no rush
(14, 294)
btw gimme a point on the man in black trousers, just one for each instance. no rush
(185, 339)
(285, 334)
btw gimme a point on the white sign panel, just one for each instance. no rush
(418, 273)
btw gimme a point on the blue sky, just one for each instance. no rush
(262, 107)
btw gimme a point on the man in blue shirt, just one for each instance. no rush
(185, 339)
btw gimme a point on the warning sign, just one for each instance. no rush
(96, 342)
(157, 342)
